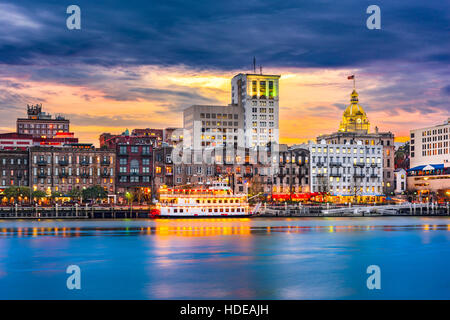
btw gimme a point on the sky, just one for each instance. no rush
(138, 64)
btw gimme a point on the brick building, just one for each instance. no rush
(40, 124)
(65, 169)
(134, 165)
(13, 168)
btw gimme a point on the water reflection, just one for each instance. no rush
(185, 228)
(225, 258)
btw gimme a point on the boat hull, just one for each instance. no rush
(201, 217)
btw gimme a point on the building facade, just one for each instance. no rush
(355, 127)
(348, 172)
(291, 178)
(41, 124)
(213, 126)
(14, 168)
(399, 181)
(13, 141)
(429, 172)
(430, 145)
(134, 165)
(258, 96)
(65, 169)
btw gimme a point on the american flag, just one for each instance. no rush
(351, 77)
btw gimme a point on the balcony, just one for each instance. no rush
(335, 175)
(335, 164)
(84, 163)
(321, 175)
(320, 164)
(359, 175)
(42, 175)
(105, 163)
(374, 175)
(105, 174)
(42, 163)
(84, 175)
(359, 164)
(249, 174)
(63, 162)
(63, 175)
(374, 165)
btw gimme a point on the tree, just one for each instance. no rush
(16, 192)
(75, 194)
(94, 193)
(38, 194)
(129, 196)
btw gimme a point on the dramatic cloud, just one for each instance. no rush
(140, 63)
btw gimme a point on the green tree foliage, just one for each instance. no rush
(75, 194)
(38, 194)
(95, 192)
(16, 192)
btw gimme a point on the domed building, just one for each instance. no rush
(354, 118)
(354, 129)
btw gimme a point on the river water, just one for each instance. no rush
(260, 258)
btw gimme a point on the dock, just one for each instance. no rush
(74, 212)
(329, 210)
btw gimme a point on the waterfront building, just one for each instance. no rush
(348, 172)
(399, 181)
(65, 169)
(258, 97)
(13, 168)
(163, 168)
(41, 124)
(134, 165)
(355, 127)
(211, 126)
(429, 173)
(291, 179)
(204, 167)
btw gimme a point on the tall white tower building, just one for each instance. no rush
(258, 95)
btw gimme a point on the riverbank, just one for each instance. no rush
(143, 212)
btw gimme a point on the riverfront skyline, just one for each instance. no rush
(140, 64)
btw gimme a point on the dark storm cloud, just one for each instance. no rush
(446, 90)
(224, 34)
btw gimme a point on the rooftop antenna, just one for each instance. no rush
(254, 64)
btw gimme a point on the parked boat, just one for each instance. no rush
(217, 200)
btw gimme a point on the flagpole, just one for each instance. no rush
(354, 82)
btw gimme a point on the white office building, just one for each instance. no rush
(347, 170)
(429, 173)
(258, 95)
(430, 145)
(213, 126)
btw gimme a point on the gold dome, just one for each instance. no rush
(354, 118)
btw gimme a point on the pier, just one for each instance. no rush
(74, 212)
(329, 210)
(262, 210)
